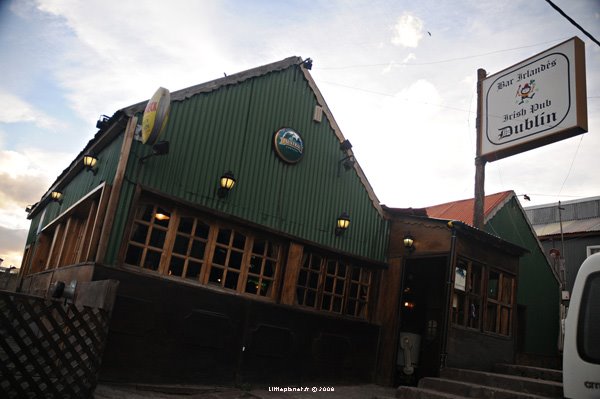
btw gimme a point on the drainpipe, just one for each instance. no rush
(448, 299)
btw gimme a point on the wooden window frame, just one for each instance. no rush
(356, 305)
(470, 318)
(211, 245)
(503, 304)
(73, 236)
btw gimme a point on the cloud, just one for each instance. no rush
(116, 61)
(408, 31)
(15, 110)
(12, 246)
(24, 178)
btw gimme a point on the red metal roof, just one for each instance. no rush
(463, 210)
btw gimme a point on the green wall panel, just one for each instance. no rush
(232, 129)
(538, 289)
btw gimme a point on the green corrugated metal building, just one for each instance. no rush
(181, 247)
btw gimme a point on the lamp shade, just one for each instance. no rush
(89, 161)
(343, 221)
(56, 195)
(161, 214)
(227, 181)
(409, 241)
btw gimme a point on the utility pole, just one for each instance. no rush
(563, 277)
(478, 206)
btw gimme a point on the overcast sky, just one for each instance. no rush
(399, 77)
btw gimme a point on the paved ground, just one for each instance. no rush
(105, 391)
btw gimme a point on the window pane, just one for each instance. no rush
(493, 281)
(310, 299)
(326, 303)
(476, 279)
(339, 287)
(224, 236)
(134, 255)
(313, 280)
(507, 289)
(329, 284)
(202, 230)
(181, 245)
(269, 268)
(458, 307)
(198, 248)
(492, 314)
(176, 267)
(259, 246)
(185, 225)
(302, 278)
(157, 238)
(337, 304)
(163, 222)
(139, 233)
(272, 250)
(145, 212)
(255, 264)
(315, 262)
(235, 260)
(152, 260)
(220, 256)
(239, 240)
(252, 285)
(331, 267)
(588, 330)
(231, 280)
(216, 275)
(193, 270)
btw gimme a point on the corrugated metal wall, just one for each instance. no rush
(538, 290)
(232, 129)
(80, 186)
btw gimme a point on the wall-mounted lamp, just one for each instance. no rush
(226, 183)
(160, 148)
(409, 242)
(342, 224)
(161, 214)
(348, 161)
(89, 162)
(102, 122)
(56, 196)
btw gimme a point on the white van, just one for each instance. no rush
(581, 355)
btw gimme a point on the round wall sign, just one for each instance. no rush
(156, 116)
(288, 145)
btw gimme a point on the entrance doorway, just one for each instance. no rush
(422, 313)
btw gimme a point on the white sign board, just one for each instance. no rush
(536, 102)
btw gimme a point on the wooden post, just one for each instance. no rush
(478, 207)
(115, 192)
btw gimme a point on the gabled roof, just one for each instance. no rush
(463, 210)
(115, 124)
(216, 84)
(493, 203)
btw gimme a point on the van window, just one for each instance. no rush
(588, 336)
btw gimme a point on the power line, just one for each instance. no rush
(571, 20)
(440, 61)
(571, 167)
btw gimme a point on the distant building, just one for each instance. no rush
(570, 229)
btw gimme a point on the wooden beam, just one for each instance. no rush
(116, 190)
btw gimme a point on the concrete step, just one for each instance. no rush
(423, 393)
(551, 389)
(528, 371)
(472, 390)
